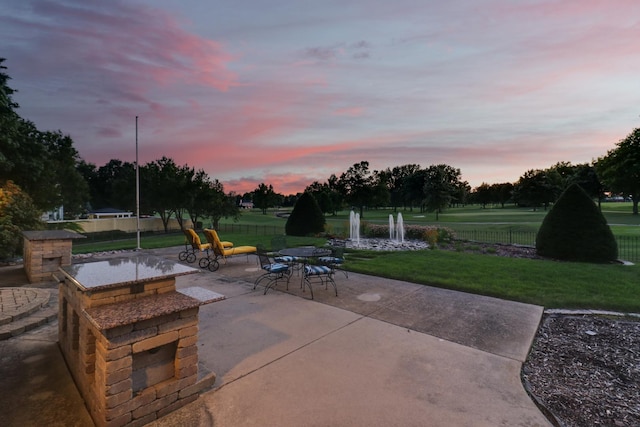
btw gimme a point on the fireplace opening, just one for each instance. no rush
(154, 366)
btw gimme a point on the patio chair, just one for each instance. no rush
(274, 271)
(277, 244)
(335, 260)
(222, 249)
(192, 246)
(322, 274)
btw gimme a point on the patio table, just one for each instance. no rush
(305, 252)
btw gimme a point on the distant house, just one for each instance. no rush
(246, 205)
(109, 213)
(54, 215)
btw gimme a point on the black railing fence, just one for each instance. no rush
(628, 246)
(251, 229)
(507, 237)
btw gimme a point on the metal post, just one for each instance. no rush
(137, 192)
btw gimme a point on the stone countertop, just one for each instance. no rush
(126, 313)
(120, 272)
(51, 235)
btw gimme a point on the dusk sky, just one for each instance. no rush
(287, 92)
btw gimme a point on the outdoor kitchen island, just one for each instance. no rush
(130, 338)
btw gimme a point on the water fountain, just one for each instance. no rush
(391, 228)
(395, 242)
(399, 228)
(354, 227)
(396, 232)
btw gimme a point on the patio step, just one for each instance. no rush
(25, 309)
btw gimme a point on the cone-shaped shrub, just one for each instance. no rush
(306, 217)
(575, 230)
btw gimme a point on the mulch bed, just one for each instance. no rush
(586, 370)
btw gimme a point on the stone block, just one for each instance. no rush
(153, 342)
(118, 399)
(117, 376)
(154, 406)
(187, 361)
(190, 331)
(178, 324)
(188, 341)
(183, 352)
(177, 405)
(116, 353)
(170, 387)
(190, 312)
(187, 371)
(116, 388)
(154, 322)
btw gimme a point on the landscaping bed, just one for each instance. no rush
(585, 370)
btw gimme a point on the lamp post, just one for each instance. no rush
(137, 192)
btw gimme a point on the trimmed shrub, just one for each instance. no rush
(306, 217)
(575, 230)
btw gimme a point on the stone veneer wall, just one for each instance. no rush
(102, 361)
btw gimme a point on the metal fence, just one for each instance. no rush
(510, 237)
(251, 229)
(628, 246)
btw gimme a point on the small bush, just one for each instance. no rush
(431, 237)
(575, 230)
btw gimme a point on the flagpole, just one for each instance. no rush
(137, 192)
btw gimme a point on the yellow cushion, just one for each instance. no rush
(225, 249)
(194, 240)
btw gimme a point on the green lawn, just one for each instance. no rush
(551, 284)
(547, 283)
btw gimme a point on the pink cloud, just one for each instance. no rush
(122, 38)
(486, 89)
(349, 111)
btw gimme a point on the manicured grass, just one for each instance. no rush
(177, 239)
(548, 283)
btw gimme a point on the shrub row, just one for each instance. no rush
(429, 233)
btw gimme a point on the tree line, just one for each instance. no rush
(41, 170)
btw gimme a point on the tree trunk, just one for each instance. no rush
(635, 205)
(165, 216)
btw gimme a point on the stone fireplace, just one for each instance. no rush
(45, 251)
(130, 339)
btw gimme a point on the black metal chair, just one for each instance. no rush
(322, 274)
(335, 260)
(294, 262)
(274, 271)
